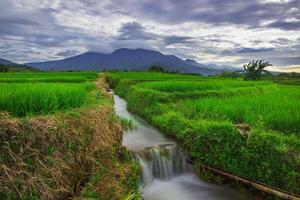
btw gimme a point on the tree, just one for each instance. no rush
(156, 68)
(254, 69)
(226, 74)
(4, 68)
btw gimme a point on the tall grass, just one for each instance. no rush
(44, 79)
(68, 77)
(209, 84)
(22, 99)
(277, 110)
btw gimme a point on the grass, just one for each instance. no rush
(209, 84)
(27, 94)
(27, 99)
(266, 110)
(76, 153)
(67, 77)
(207, 114)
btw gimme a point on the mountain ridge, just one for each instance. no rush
(125, 59)
(5, 62)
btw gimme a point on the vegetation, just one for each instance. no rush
(156, 68)
(247, 128)
(233, 74)
(56, 77)
(24, 94)
(27, 99)
(254, 69)
(16, 68)
(4, 68)
(67, 143)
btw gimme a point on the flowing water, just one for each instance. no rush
(166, 174)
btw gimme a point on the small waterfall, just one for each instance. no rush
(162, 162)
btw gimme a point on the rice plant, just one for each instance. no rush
(248, 128)
(22, 99)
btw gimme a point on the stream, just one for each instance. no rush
(166, 174)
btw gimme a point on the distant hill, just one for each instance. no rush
(8, 66)
(126, 59)
(5, 62)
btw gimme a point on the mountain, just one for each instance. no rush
(212, 66)
(8, 66)
(5, 62)
(125, 59)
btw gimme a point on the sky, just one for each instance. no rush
(224, 32)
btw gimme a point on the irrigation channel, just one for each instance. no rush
(166, 173)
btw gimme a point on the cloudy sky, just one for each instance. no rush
(226, 32)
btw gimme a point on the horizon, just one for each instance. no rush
(275, 69)
(134, 49)
(211, 32)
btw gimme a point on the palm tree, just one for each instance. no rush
(254, 69)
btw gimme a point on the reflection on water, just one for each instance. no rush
(166, 174)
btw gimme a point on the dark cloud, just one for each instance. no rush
(249, 13)
(283, 61)
(173, 39)
(281, 41)
(254, 50)
(32, 30)
(134, 31)
(276, 61)
(285, 25)
(9, 21)
(67, 53)
(16, 26)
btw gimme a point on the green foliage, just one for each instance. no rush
(265, 110)
(206, 114)
(4, 68)
(254, 69)
(64, 77)
(24, 94)
(126, 123)
(16, 68)
(290, 75)
(156, 68)
(229, 74)
(131, 196)
(171, 86)
(56, 157)
(27, 99)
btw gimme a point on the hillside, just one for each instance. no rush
(9, 66)
(125, 59)
(5, 62)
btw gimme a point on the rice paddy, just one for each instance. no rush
(72, 77)
(249, 128)
(60, 139)
(24, 94)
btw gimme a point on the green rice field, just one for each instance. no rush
(248, 128)
(68, 77)
(23, 94)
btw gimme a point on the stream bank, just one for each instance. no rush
(74, 154)
(166, 172)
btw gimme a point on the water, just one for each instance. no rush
(166, 174)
